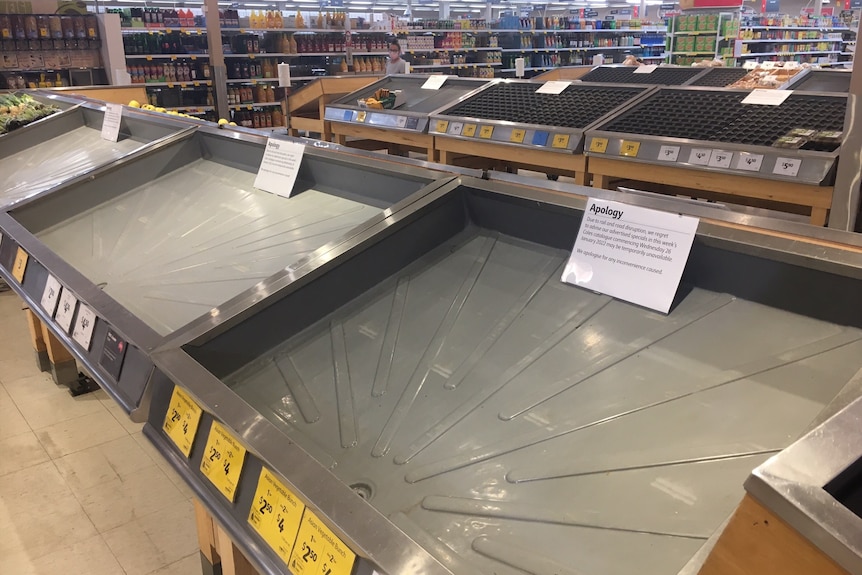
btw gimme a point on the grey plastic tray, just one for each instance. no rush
(66, 145)
(511, 423)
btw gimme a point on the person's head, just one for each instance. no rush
(394, 50)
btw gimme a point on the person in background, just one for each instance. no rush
(395, 65)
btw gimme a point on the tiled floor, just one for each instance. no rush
(81, 490)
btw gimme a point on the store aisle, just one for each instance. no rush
(81, 489)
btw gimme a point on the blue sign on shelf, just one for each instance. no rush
(856, 3)
(772, 6)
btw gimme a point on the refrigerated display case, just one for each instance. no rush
(149, 246)
(783, 151)
(513, 120)
(813, 80)
(450, 406)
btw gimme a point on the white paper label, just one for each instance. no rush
(763, 97)
(455, 128)
(401, 121)
(668, 153)
(51, 296)
(434, 82)
(749, 65)
(787, 166)
(648, 69)
(66, 310)
(720, 159)
(631, 253)
(553, 87)
(279, 167)
(84, 325)
(111, 122)
(749, 162)
(700, 157)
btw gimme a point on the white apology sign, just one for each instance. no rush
(111, 122)
(279, 167)
(631, 253)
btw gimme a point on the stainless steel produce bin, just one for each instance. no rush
(153, 244)
(445, 404)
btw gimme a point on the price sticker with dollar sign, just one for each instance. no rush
(318, 551)
(222, 460)
(276, 514)
(181, 420)
(787, 166)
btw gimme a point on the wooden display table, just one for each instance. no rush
(817, 199)
(306, 106)
(113, 94)
(374, 138)
(456, 152)
(565, 73)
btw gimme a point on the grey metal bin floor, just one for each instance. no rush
(47, 164)
(173, 249)
(511, 423)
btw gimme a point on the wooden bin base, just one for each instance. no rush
(219, 555)
(420, 142)
(757, 542)
(453, 152)
(817, 199)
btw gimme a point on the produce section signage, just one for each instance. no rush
(631, 253)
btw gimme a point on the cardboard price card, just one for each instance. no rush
(222, 460)
(276, 514)
(181, 420)
(318, 551)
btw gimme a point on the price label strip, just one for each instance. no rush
(276, 514)
(469, 130)
(630, 149)
(51, 296)
(442, 126)
(749, 162)
(485, 132)
(66, 310)
(182, 420)
(599, 145)
(560, 141)
(20, 265)
(787, 166)
(668, 153)
(85, 323)
(318, 551)
(222, 460)
(517, 136)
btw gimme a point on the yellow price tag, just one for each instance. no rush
(360, 116)
(20, 265)
(181, 420)
(318, 551)
(251, 56)
(170, 85)
(149, 58)
(442, 126)
(629, 148)
(560, 141)
(599, 145)
(194, 57)
(517, 136)
(469, 130)
(222, 460)
(173, 58)
(168, 30)
(486, 132)
(196, 84)
(276, 514)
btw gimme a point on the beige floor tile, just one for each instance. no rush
(55, 408)
(119, 501)
(90, 557)
(80, 433)
(12, 423)
(149, 543)
(20, 452)
(117, 459)
(190, 565)
(33, 388)
(121, 416)
(5, 398)
(39, 513)
(18, 366)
